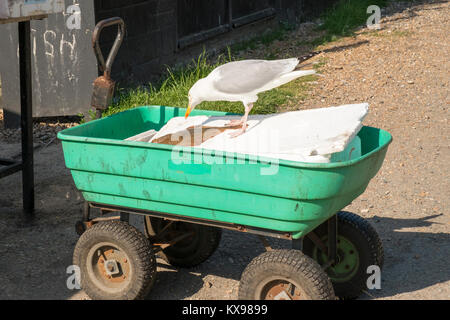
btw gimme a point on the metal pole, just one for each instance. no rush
(26, 121)
(230, 14)
(332, 239)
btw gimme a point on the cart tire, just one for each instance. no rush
(359, 247)
(189, 252)
(284, 275)
(116, 261)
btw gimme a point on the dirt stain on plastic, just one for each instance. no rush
(193, 136)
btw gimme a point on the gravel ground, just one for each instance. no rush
(44, 130)
(402, 70)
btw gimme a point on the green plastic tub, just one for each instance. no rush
(277, 195)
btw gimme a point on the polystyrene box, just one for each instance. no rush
(29, 8)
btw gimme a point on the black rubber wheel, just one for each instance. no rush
(284, 275)
(359, 247)
(116, 261)
(196, 248)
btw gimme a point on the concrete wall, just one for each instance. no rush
(157, 32)
(63, 65)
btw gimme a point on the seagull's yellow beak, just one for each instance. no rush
(188, 111)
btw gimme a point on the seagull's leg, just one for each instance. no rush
(248, 108)
(235, 123)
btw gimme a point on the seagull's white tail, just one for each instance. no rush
(288, 77)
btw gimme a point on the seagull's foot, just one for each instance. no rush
(237, 133)
(234, 123)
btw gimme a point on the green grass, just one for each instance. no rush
(393, 34)
(322, 61)
(346, 15)
(343, 18)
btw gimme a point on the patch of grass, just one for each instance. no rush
(343, 18)
(395, 33)
(400, 33)
(345, 15)
(320, 64)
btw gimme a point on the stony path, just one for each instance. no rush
(402, 70)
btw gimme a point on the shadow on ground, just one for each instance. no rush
(413, 260)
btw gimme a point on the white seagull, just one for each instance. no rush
(243, 81)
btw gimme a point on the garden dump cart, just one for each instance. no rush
(185, 204)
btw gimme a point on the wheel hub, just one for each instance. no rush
(109, 267)
(282, 290)
(347, 260)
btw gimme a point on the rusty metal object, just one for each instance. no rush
(103, 92)
(164, 230)
(89, 224)
(265, 243)
(212, 223)
(163, 245)
(82, 226)
(99, 219)
(241, 228)
(103, 87)
(112, 265)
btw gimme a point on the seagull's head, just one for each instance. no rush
(195, 96)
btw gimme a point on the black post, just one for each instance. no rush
(230, 13)
(86, 212)
(26, 121)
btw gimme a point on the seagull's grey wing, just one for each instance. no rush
(250, 75)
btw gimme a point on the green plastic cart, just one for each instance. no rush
(188, 195)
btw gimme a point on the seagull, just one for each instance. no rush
(243, 81)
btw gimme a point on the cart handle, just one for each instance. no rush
(106, 67)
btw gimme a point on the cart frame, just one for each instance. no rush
(124, 214)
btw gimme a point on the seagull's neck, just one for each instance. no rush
(208, 92)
